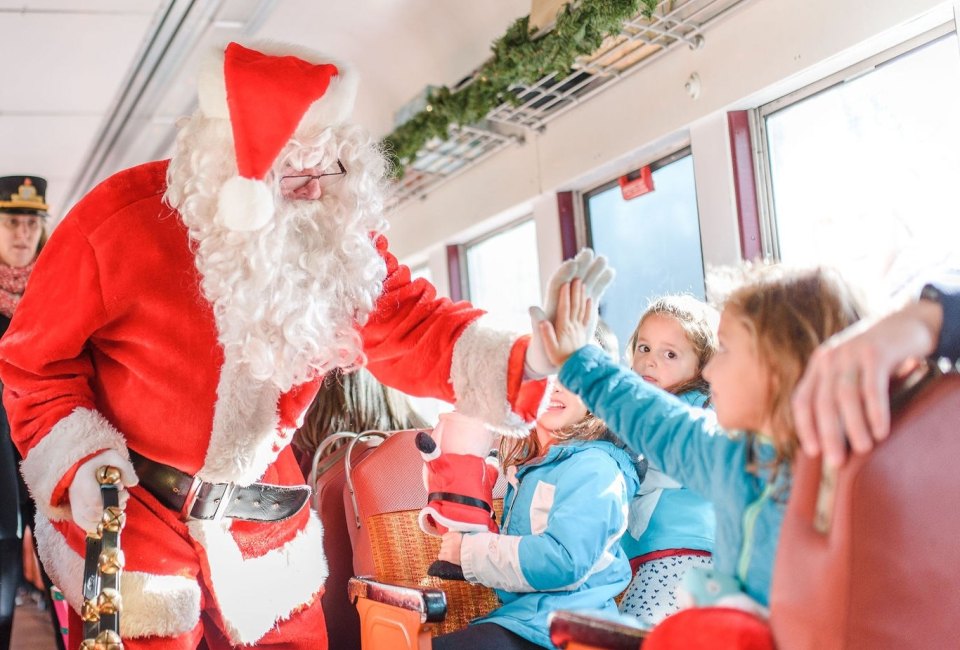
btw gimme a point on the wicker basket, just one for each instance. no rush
(401, 554)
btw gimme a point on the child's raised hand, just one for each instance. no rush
(569, 330)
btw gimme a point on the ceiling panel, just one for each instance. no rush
(86, 6)
(52, 147)
(398, 47)
(79, 69)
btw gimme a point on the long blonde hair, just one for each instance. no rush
(789, 312)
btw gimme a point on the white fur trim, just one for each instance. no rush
(245, 428)
(153, 605)
(82, 433)
(449, 524)
(244, 204)
(256, 593)
(333, 108)
(478, 373)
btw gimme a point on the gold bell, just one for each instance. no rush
(108, 475)
(89, 612)
(108, 602)
(112, 520)
(109, 640)
(111, 561)
(88, 644)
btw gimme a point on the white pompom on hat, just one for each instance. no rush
(268, 94)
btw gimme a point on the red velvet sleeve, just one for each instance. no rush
(410, 336)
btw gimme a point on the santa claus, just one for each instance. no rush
(177, 326)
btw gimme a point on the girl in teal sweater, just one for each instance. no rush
(739, 459)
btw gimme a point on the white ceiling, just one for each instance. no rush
(72, 69)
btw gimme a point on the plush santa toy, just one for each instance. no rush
(459, 472)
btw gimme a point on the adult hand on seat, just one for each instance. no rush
(843, 395)
(595, 275)
(86, 504)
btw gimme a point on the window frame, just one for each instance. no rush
(490, 234)
(769, 233)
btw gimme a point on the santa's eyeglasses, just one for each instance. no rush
(294, 183)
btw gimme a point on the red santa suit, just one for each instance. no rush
(114, 346)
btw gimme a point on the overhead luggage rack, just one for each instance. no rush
(641, 41)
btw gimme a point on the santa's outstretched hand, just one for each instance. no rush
(595, 274)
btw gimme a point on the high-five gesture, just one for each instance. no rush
(573, 326)
(595, 275)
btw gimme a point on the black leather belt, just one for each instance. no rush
(196, 499)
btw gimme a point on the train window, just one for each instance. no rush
(861, 170)
(652, 240)
(503, 275)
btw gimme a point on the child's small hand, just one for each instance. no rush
(450, 547)
(568, 332)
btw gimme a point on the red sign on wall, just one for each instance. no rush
(636, 183)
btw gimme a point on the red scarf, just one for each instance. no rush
(13, 280)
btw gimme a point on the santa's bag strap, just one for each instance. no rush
(348, 465)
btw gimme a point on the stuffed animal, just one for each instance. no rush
(459, 472)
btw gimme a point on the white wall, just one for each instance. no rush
(761, 50)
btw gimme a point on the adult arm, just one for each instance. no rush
(430, 346)
(47, 371)
(844, 393)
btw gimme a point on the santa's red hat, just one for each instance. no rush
(268, 92)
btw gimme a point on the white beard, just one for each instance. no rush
(289, 298)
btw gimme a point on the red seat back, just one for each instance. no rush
(343, 622)
(887, 572)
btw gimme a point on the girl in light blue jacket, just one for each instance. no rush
(564, 513)
(671, 527)
(740, 458)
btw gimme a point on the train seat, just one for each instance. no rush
(401, 606)
(327, 479)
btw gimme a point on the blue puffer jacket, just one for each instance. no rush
(564, 514)
(689, 445)
(668, 515)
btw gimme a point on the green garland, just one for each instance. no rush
(517, 59)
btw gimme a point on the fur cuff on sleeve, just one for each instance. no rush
(479, 370)
(81, 434)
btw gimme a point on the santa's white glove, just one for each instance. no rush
(596, 275)
(86, 504)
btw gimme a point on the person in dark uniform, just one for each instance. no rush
(23, 213)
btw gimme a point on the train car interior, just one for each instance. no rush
(678, 139)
